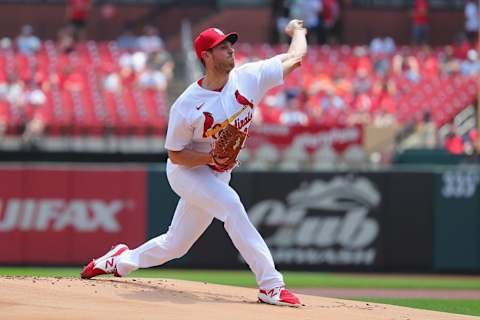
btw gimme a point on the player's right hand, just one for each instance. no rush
(293, 25)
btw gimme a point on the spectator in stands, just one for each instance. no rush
(77, 16)
(310, 12)
(361, 59)
(281, 13)
(461, 46)
(469, 143)
(5, 43)
(420, 22)
(474, 138)
(136, 61)
(293, 117)
(407, 66)
(412, 71)
(383, 119)
(454, 143)
(150, 41)
(291, 113)
(382, 46)
(163, 61)
(152, 79)
(4, 107)
(3, 118)
(449, 65)
(398, 63)
(127, 40)
(112, 81)
(361, 110)
(36, 76)
(127, 73)
(430, 65)
(330, 17)
(427, 132)
(15, 92)
(342, 84)
(332, 101)
(471, 66)
(471, 20)
(33, 130)
(3, 88)
(362, 82)
(381, 65)
(35, 116)
(376, 46)
(27, 42)
(383, 91)
(65, 40)
(35, 96)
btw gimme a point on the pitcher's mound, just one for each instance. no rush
(130, 298)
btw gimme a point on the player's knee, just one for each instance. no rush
(174, 248)
(181, 252)
(178, 251)
(233, 204)
(235, 217)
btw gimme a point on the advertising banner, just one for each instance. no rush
(457, 220)
(68, 215)
(320, 220)
(309, 221)
(311, 138)
(354, 221)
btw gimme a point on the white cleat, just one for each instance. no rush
(279, 296)
(107, 264)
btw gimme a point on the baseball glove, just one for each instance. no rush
(227, 146)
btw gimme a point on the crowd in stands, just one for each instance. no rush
(73, 86)
(70, 86)
(379, 84)
(462, 144)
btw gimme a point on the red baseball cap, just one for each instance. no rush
(211, 37)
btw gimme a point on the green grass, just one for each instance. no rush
(293, 279)
(468, 307)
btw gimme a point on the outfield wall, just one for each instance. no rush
(420, 221)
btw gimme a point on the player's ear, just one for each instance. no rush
(205, 54)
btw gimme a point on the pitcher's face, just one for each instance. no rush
(222, 56)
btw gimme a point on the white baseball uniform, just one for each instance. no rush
(205, 194)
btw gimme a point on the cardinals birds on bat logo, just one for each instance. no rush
(208, 123)
(242, 100)
(210, 130)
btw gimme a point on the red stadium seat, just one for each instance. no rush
(82, 105)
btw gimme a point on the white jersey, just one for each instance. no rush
(206, 194)
(198, 114)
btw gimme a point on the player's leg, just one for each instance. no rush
(188, 224)
(211, 192)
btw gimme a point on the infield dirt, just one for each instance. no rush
(36, 298)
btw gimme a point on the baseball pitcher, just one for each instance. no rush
(207, 128)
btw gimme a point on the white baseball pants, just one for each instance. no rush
(205, 195)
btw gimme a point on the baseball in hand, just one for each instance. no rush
(293, 25)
